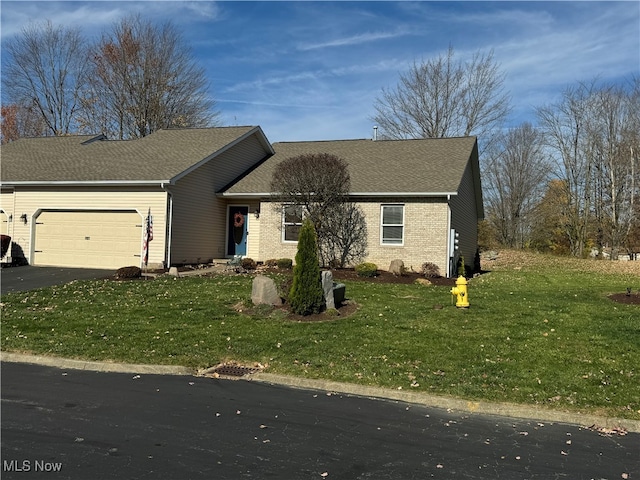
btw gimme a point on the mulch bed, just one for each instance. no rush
(388, 277)
(626, 298)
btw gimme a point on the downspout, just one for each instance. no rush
(169, 227)
(448, 236)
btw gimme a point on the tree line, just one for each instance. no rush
(137, 78)
(569, 184)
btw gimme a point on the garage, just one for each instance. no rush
(88, 238)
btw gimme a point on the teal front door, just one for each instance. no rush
(237, 230)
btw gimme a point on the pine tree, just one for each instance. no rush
(306, 295)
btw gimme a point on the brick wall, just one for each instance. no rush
(425, 233)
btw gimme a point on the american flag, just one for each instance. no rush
(148, 236)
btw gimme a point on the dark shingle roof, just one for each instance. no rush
(393, 166)
(160, 156)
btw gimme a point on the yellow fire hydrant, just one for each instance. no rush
(460, 292)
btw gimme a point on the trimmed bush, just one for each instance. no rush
(430, 270)
(285, 263)
(306, 296)
(462, 269)
(128, 272)
(366, 269)
(272, 262)
(248, 263)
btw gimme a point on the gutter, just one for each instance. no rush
(169, 226)
(355, 194)
(70, 183)
(450, 254)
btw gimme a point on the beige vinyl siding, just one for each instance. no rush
(4, 223)
(199, 232)
(464, 218)
(425, 233)
(34, 200)
(6, 207)
(253, 231)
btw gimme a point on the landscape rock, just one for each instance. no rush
(423, 281)
(174, 271)
(327, 287)
(397, 267)
(265, 291)
(489, 255)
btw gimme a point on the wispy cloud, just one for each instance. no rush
(352, 40)
(312, 70)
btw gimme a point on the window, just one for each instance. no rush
(392, 225)
(291, 222)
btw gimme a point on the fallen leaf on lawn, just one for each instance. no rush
(607, 432)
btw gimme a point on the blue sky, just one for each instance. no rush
(312, 70)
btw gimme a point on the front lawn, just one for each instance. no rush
(540, 330)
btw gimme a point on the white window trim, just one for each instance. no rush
(284, 224)
(382, 225)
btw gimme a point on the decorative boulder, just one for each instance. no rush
(397, 267)
(174, 271)
(327, 287)
(264, 291)
(334, 293)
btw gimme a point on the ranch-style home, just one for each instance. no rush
(85, 201)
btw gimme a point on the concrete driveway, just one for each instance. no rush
(25, 278)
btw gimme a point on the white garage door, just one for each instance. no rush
(94, 239)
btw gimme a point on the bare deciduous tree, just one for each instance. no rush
(515, 177)
(18, 122)
(443, 97)
(45, 71)
(144, 78)
(591, 132)
(565, 127)
(319, 184)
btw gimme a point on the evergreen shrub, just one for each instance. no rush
(285, 263)
(366, 269)
(306, 296)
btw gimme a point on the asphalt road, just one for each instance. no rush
(73, 424)
(24, 278)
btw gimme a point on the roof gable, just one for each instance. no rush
(163, 156)
(418, 167)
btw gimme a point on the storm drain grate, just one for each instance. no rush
(233, 370)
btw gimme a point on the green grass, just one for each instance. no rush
(543, 334)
